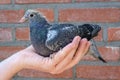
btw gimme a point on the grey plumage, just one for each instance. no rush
(48, 38)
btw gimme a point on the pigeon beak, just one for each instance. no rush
(23, 19)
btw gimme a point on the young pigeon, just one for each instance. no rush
(48, 38)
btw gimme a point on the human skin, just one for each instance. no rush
(58, 62)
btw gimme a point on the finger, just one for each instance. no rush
(64, 52)
(84, 46)
(68, 58)
(87, 47)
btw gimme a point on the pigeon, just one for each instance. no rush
(48, 38)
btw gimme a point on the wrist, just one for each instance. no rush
(10, 66)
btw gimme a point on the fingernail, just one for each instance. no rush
(78, 38)
(75, 41)
(84, 39)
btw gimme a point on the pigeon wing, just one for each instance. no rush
(60, 35)
(50, 41)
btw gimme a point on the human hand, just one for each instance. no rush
(58, 62)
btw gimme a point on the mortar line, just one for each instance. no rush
(73, 1)
(56, 12)
(63, 5)
(74, 72)
(108, 25)
(13, 3)
(13, 34)
(105, 34)
(99, 63)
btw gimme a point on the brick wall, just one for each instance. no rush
(15, 36)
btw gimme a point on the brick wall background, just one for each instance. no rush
(15, 36)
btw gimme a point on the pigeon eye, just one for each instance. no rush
(31, 15)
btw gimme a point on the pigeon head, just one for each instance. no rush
(32, 16)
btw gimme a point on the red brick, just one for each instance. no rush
(5, 1)
(96, 0)
(113, 34)
(108, 53)
(88, 57)
(6, 51)
(5, 34)
(38, 74)
(98, 72)
(90, 15)
(41, 1)
(48, 13)
(10, 16)
(22, 34)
